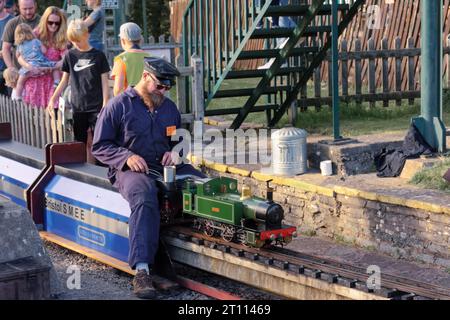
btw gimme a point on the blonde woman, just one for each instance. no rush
(52, 31)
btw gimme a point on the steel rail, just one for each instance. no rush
(387, 280)
(399, 286)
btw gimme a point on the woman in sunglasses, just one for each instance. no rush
(51, 30)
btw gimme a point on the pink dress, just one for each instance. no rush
(39, 90)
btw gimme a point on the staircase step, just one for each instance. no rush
(242, 74)
(271, 53)
(300, 10)
(286, 32)
(246, 92)
(219, 112)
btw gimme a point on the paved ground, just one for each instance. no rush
(101, 282)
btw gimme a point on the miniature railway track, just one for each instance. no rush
(392, 287)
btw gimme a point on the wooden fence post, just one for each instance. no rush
(317, 88)
(181, 87)
(385, 46)
(26, 114)
(15, 119)
(293, 112)
(22, 122)
(398, 70)
(412, 70)
(42, 127)
(47, 125)
(198, 101)
(344, 66)
(358, 71)
(37, 133)
(172, 50)
(65, 115)
(372, 69)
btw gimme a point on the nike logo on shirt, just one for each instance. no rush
(82, 64)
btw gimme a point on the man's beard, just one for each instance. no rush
(152, 100)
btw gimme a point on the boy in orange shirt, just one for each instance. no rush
(129, 65)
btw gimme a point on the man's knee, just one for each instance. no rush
(138, 188)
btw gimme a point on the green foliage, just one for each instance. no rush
(42, 5)
(158, 16)
(431, 178)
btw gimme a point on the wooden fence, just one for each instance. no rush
(399, 19)
(34, 126)
(356, 86)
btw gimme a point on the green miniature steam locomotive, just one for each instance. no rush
(219, 210)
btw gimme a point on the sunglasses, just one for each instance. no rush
(53, 23)
(159, 85)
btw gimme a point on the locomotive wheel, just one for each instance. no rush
(228, 234)
(199, 225)
(209, 229)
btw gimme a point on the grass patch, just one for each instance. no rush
(431, 178)
(355, 119)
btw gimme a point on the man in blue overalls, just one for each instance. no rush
(133, 136)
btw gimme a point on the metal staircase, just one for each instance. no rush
(221, 32)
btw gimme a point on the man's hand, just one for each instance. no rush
(137, 164)
(170, 158)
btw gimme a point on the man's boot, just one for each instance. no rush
(143, 285)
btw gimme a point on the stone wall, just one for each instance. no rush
(395, 230)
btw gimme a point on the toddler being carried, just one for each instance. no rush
(30, 54)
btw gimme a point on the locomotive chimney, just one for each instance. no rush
(269, 195)
(246, 192)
